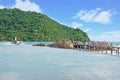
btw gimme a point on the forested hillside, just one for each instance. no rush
(32, 26)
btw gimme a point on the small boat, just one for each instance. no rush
(16, 42)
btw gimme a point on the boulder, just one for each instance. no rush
(38, 45)
(68, 45)
(57, 44)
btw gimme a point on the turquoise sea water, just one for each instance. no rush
(25, 43)
(26, 62)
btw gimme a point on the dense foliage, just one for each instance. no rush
(32, 26)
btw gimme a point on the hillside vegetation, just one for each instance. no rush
(32, 26)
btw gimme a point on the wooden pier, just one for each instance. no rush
(101, 48)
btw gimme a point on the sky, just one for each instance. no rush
(98, 18)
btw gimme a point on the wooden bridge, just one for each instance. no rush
(103, 48)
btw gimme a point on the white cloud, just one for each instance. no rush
(103, 17)
(87, 30)
(1, 6)
(26, 5)
(9, 76)
(76, 25)
(97, 15)
(107, 36)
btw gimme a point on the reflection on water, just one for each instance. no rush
(44, 63)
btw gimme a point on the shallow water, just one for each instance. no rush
(25, 62)
(25, 43)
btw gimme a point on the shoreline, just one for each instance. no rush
(82, 50)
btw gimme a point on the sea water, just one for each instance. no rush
(26, 62)
(25, 43)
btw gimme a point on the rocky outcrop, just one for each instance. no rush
(68, 45)
(38, 45)
(16, 42)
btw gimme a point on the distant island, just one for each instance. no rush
(32, 26)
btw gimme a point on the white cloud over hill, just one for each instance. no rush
(76, 25)
(1, 6)
(87, 30)
(27, 5)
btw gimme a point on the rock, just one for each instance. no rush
(68, 45)
(16, 42)
(57, 44)
(38, 45)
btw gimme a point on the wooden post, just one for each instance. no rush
(106, 49)
(118, 51)
(77, 46)
(88, 46)
(102, 48)
(111, 50)
(99, 48)
(80, 47)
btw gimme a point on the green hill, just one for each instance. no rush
(32, 26)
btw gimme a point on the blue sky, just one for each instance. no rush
(98, 18)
